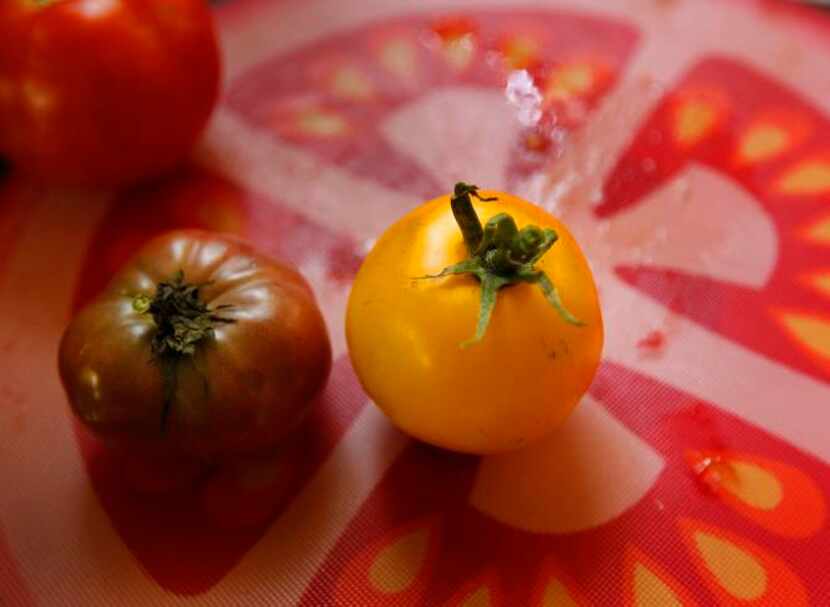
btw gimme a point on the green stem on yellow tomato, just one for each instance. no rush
(465, 215)
(500, 255)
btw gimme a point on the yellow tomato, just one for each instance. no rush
(409, 336)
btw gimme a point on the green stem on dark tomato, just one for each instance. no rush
(182, 322)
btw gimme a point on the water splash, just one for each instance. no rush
(522, 93)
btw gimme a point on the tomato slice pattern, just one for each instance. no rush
(747, 547)
(773, 144)
(648, 583)
(554, 587)
(335, 98)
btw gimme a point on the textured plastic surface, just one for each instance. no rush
(687, 145)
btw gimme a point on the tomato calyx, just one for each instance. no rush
(500, 255)
(182, 321)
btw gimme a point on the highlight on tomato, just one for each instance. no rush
(200, 346)
(104, 92)
(474, 338)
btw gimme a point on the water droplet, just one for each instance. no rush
(653, 342)
(367, 245)
(522, 93)
(711, 471)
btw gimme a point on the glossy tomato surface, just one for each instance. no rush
(244, 388)
(104, 92)
(405, 334)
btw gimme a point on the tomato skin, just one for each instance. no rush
(241, 393)
(405, 334)
(104, 92)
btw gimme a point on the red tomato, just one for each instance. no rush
(104, 92)
(199, 346)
